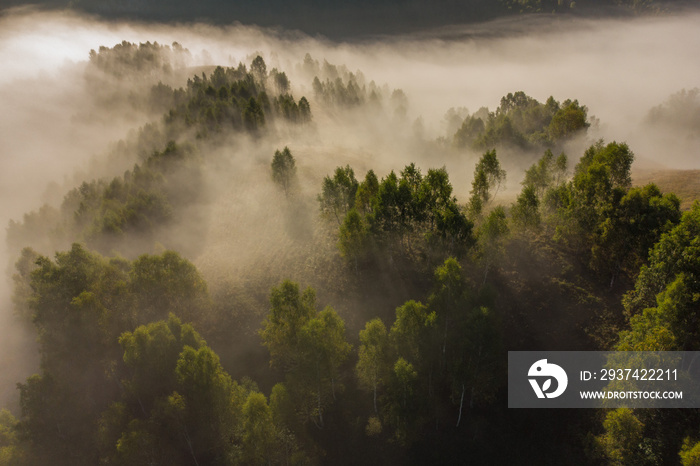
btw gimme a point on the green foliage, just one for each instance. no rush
(601, 215)
(649, 331)
(289, 311)
(10, 454)
(280, 81)
(676, 252)
(284, 170)
(570, 119)
(134, 61)
(396, 213)
(322, 349)
(8, 424)
(525, 211)
(547, 172)
(253, 116)
(169, 283)
(337, 92)
(410, 329)
(613, 160)
(338, 193)
(258, 429)
(404, 377)
(373, 357)
(81, 304)
(623, 440)
(690, 453)
(491, 236)
(488, 175)
(22, 290)
(445, 354)
(179, 405)
(128, 212)
(259, 70)
(366, 192)
(151, 352)
(309, 345)
(523, 122)
(230, 98)
(304, 110)
(401, 405)
(336, 86)
(353, 237)
(286, 106)
(631, 228)
(471, 129)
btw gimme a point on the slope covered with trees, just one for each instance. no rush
(388, 345)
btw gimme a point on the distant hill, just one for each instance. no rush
(345, 19)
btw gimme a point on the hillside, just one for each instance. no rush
(684, 183)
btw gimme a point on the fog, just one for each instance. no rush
(55, 131)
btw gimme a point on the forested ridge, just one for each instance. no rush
(379, 332)
(344, 19)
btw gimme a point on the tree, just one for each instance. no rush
(488, 175)
(477, 363)
(614, 158)
(179, 405)
(10, 454)
(289, 312)
(210, 411)
(353, 237)
(690, 453)
(675, 253)
(630, 228)
(338, 193)
(541, 175)
(373, 365)
(467, 134)
(623, 441)
(151, 353)
(322, 349)
(310, 345)
(448, 297)
(253, 115)
(259, 70)
(258, 439)
(490, 237)
(304, 110)
(401, 406)
(525, 211)
(22, 290)
(409, 332)
(168, 283)
(569, 119)
(281, 81)
(284, 170)
(366, 191)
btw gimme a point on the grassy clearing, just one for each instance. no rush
(685, 183)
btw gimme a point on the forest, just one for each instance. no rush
(280, 263)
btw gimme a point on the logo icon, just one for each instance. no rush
(544, 369)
